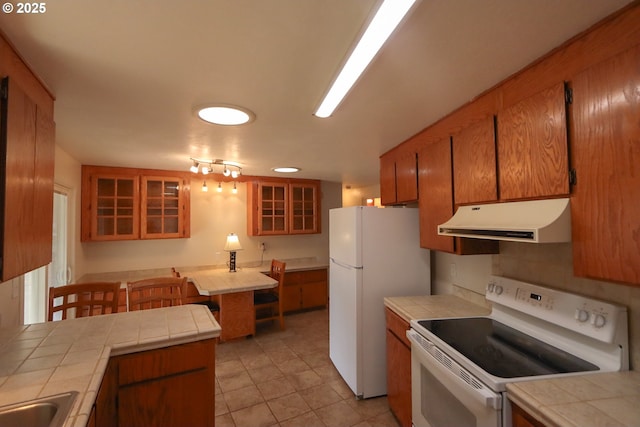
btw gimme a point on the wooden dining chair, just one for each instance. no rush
(155, 293)
(268, 303)
(84, 299)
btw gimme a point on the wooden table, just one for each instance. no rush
(234, 294)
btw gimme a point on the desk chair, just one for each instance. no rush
(268, 303)
(86, 299)
(155, 293)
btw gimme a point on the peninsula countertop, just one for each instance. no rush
(49, 358)
(221, 281)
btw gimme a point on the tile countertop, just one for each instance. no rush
(297, 264)
(594, 400)
(49, 358)
(433, 306)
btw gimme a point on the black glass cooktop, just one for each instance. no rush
(503, 351)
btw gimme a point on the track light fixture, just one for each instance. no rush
(207, 166)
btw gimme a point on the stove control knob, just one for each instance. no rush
(581, 315)
(598, 320)
(499, 289)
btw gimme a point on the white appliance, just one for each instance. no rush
(460, 366)
(374, 253)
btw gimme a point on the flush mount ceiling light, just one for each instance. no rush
(286, 169)
(387, 18)
(225, 115)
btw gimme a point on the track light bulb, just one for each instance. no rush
(226, 171)
(219, 189)
(194, 167)
(204, 187)
(234, 190)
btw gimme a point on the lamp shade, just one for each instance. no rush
(233, 244)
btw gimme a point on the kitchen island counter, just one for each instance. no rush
(49, 358)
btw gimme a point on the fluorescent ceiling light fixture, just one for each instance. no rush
(387, 18)
(226, 115)
(287, 169)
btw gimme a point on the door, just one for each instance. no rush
(345, 287)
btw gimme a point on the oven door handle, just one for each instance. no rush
(478, 391)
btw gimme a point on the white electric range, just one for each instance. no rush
(460, 366)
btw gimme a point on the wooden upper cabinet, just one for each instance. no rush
(398, 178)
(163, 203)
(436, 194)
(27, 149)
(303, 200)
(387, 179)
(605, 204)
(532, 147)
(407, 178)
(474, 163)
(132, 204)
(283, 207)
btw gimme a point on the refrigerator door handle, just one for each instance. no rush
(341, 264)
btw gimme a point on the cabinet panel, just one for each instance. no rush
(398, 178)
(532, 147)
(27, 180)
(304, 218)
(398, 368)
(305, 290)
(605, 206)
(407, 178)
(436, 194)
(163, 207)
(387, 179)
(520, 418)
(160, 387)
(474, 163)
(116, 203)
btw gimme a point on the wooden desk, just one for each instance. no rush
(234, 294)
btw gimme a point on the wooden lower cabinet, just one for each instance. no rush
(172, 386)
(398, 368)
(520, 418)
(305, 289)
(237, 315)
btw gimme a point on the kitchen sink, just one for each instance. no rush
(48, 411)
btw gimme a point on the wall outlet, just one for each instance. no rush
(263, 247)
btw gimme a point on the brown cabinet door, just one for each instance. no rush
(28, 154)
(532, 147)
(407, 178)
(474, 163)
(304, 203)
(115, 207)
(605, 206)
(162, 207)
(398, 368)
(387, 179)
(436, 194)
(273, 206)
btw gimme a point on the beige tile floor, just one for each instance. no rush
(285, 378)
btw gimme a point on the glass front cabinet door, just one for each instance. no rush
(116, 208)
(163, 205)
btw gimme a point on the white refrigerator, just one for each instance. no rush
(374, 253)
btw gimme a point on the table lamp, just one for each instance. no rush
(232, 245)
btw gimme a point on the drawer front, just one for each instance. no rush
(397, 326)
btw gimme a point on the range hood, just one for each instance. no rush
(534, 221)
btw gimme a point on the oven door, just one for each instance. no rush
(440, 395)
